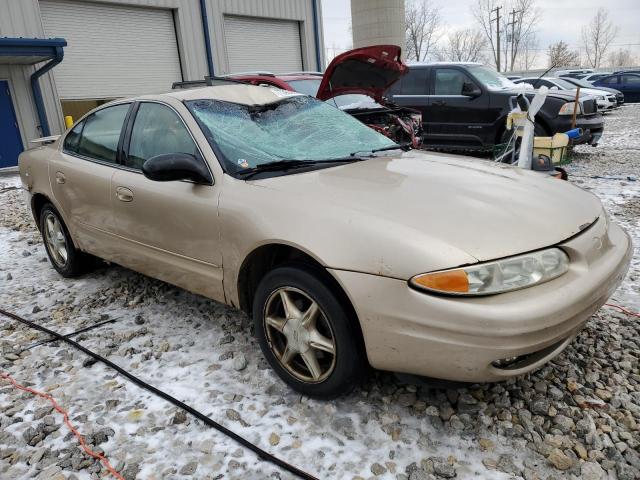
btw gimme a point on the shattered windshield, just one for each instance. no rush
(296, 128)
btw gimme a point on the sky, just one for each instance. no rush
(561, 20)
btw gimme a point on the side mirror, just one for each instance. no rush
(470, 90)
(176, 166)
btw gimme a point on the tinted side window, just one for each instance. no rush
(610, 81)
(414, 82)
(449, 81)
(157, 130)
(72, 139)
(630, 80)
(101, 133)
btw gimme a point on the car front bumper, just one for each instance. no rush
(462, 339)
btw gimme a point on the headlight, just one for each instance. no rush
(567, 109)
(499, 276)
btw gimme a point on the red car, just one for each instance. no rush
(355, 82)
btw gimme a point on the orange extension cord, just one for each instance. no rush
(623, 310)
(65, 415)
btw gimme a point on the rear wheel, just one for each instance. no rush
(64, 256)
(305, 332)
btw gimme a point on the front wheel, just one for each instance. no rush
(305, 332)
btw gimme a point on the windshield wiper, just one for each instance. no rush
(401, 146)
(284, 165)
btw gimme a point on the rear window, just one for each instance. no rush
(308, 87)
(72, 139)
(101, 133)
(413, 83)
(610, 80)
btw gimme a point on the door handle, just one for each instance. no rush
(60, 178)
(439, 103)
(124, 194)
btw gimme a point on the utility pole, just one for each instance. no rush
(498, 48)
(512, 24)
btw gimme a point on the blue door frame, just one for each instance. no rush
(10, 139)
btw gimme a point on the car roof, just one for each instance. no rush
(301, 76)
(242, 94)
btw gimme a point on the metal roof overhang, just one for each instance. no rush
(28, 51)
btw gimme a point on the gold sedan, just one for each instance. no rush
(346, 250)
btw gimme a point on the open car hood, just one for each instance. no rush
(366, 70)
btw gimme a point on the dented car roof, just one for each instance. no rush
(242, 94)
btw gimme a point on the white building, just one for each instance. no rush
(64, 57)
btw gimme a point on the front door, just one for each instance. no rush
(11, 143)
(454, 118)
(170, 229)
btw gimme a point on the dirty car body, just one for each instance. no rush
(407, 261)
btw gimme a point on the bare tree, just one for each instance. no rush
(621, 58)
(518, 21)
(483, 11)
(521, 26)
(528, 53)
(464, 45)
(422, 27)
(597, 37)
(560, 55)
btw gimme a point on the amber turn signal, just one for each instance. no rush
(454, 281)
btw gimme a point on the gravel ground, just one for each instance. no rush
(578, 417)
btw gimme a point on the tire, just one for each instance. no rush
(289, 346)
(538, 131)
(56, 237)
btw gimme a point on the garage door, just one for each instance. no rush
(262, 44)
(113, 51)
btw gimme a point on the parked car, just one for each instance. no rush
(465, 106)
(343, 248)
(355, 82)
(627, 71)
(583, 84)
(592, 77)
(576, 72)
(627, 83)
(605, 100)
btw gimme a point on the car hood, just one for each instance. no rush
(610, 90)
(592, 91)
(530, 92)
(366, 70)
(419, 212)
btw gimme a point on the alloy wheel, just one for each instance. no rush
(56, 240)
(299, 335)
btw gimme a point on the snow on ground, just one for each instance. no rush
(577, 417)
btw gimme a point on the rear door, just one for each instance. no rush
(630, 86)
(80, 176)
(612, 81)
(169, 230)
(453, 118)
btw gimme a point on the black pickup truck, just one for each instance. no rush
(465, 105)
